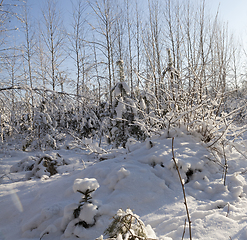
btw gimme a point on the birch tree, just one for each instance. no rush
(105, 18)
(28, 52)
(77, 50)
(53, 36)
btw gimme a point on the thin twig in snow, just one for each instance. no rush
(183, 188)
(184, 229)
(226, 166)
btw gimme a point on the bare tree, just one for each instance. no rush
(104, 14)
(77, 39)
(120, 30)
(28, 50)
(138, 42)
(53, 36)
(236, 66)
(8, 13)
(41, 63)
(129, 24)
(98, 77)
(12, 66)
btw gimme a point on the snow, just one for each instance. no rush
(141, 178)
(142, 104)
(126, 87)
(121, 86)
(88, 212)
(120, 109)
(117, 90)
(85, 184)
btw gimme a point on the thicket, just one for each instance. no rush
(177, 68)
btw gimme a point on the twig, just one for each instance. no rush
(216, 161)
(226, 166)
(243, 172)
(42, 90)
(223, 133)
(87, 147)
(184, 229)
(43, 235)
(6, 175)
(228, 210)
(83, 164)
(239, 151)
(183, 188)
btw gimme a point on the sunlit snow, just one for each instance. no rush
(141, 177)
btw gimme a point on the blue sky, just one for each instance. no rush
(234, 12)
(231, 11)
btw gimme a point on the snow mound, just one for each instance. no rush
(39, 166)
(25, 164)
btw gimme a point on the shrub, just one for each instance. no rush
(40, 165)
(127, 225)
(83, 215)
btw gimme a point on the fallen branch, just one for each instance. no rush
(6, 175)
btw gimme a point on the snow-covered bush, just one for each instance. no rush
(236, 102)
(44, 165)
(128, 226)
(47, 165)
(6, 129)
(83, 122)
(54, 115)
(25, 164)
(83, 215)
(43, 134)
(125, 116)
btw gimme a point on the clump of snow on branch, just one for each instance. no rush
(85, 184)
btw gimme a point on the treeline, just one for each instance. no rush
(118, 68)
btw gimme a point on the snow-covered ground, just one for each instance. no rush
(142, 178)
